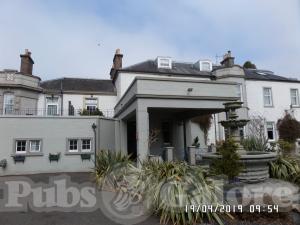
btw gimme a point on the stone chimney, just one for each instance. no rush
(228, 60)
(117, 62)
(26, 63)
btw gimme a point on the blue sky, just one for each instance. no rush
(64, 35)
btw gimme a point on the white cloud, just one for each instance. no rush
(63, 45)
(64, 42)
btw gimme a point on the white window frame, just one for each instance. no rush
(69, 145)
(89, 104)
(270, 95)
(86, 150)
(297, 96)
(5, 103)
(30, 146)
(201, 62)
(273, 130)
(52, 104)
(240, 91)
(16, 146)
(164, 62)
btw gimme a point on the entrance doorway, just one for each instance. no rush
(131, 140)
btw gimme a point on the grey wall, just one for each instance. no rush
(176, 89)
(25, 89)
(107, 134)
(24, 99)
(54, 132)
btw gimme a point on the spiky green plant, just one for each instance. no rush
(285, 168)
(111, 167)
(253, 143)
(169, 187)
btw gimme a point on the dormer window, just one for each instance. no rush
(164, 62)
(205, 65)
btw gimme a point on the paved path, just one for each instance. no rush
(96, 217)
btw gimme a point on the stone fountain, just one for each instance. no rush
(255, 163)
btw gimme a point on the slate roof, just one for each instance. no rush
(178, 68)
(256, 74)
(189, 69)
(79, 85)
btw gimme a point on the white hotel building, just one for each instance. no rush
(42, 118)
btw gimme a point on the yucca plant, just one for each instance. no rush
(253, 143)
(111, 168)
(285, 168)
(169, 187)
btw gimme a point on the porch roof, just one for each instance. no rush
(177, 93)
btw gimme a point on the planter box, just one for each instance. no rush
(54, 157)
(3, 163)
(19, 158)
(85, 157)
(192, 155)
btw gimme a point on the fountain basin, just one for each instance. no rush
(255, 165)
(234, 123)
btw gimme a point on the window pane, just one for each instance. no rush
(8, 103)
(91, 108)
(164, 62)
(52, 100)
(267, 96)
(91, 104)
(91, 101)
(267, 100)
(73, 145)
(21, 146)
(205, 66)
(86, 145)
(52, 110)
(270, 130)
(35, 146)
(294, 97)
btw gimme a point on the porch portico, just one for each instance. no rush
(167, 105)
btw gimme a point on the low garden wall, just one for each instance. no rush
(54, 134)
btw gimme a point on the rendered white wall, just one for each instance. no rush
(106, 103)
(281, 99)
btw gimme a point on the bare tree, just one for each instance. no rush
(256, 127)
(256, 136)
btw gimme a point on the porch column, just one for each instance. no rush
(123, 136)
(142, 129)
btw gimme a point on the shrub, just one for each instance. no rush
(111, 168)
(288, 128)
(249, 65)
(285, 147)
(253, 143)
(171, 186)
(86, 112)
(228, 164)
(285, 168)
